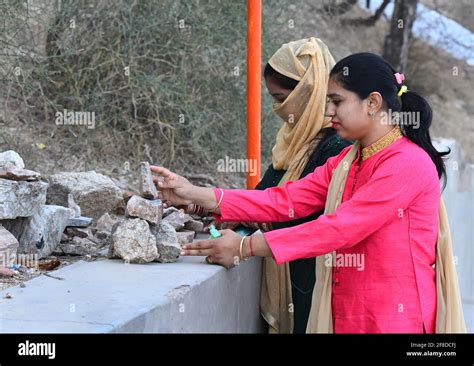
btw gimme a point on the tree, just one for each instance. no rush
(397, 41)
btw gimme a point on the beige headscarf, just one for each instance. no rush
(308, 61)
(449, 315)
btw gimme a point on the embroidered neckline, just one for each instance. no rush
(386, 140)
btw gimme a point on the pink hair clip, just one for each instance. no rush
(399, 77)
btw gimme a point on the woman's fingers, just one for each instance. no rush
(171, 180)
(162, 171)
(201, 244)
(197, 252)
(167, 183)
(202, 247)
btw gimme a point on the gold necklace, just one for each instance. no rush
(389, 138)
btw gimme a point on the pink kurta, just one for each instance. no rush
(384, 233)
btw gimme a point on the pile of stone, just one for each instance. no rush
(35, 214)
(86, 214)
(148, 232)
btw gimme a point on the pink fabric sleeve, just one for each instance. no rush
(395, 183)
(293, 200)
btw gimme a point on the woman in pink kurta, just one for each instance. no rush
(388, 217)
(384, 231)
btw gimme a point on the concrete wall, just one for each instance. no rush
(110, 296)
(459, 200)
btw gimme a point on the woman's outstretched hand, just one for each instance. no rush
(224, 250)
(173, 189)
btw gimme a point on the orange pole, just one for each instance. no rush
(254, 56)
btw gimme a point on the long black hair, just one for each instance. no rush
(364, 73)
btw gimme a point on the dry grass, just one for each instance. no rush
(183, 102)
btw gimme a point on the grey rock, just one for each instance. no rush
(185, 236)
(132, 241)
(166, 242)
(41, 233)
(178, 219)
(13, 157)
(95, 193)
(80, 232)
(147, 186)
(104, 226)
(73, 205)
(81, 221)
(21, 199)
(149, 210)
(102, 235)
(194, 225)
(12, 172)
(106, 222)
(78, 246)
(169, 210)
(8, 247)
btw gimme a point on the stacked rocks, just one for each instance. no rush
(149, 233)
(39, 218)
(27, 224)
(80, 213)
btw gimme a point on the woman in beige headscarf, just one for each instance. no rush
(296, 76)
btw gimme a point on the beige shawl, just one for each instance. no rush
(309, 62)
(449, 316)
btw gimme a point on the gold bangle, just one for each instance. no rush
(241, 247)
(220, 200)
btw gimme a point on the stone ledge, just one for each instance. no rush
(108, 296)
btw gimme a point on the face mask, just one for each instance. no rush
(295, 104)
(286, 111)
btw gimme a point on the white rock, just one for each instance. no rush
(13, 157)
(8, 247)
(21, 199)
(81, 221)
(41, 233)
